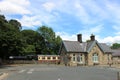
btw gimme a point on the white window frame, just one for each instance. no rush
(80, 58)
(95, 58)
(74, 57)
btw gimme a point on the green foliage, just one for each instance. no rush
(10, 39)
(14, 41)
(47, 33)
(52, 42)
(88, 40)
(33, 38)
(29, 49)
(115, 46)
(16, 24)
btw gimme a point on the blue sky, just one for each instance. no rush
(68, 17)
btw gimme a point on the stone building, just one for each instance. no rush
(89, 53)
(49, 59)
(116, 57)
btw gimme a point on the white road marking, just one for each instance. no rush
(21, 71)
(30, 71)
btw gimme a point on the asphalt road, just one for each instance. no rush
(54, 72)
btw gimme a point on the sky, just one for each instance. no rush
(68, 17)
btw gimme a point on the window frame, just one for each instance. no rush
(95, 58)
(80, 58)
(74, 57)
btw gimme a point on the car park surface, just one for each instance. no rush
(56, 72)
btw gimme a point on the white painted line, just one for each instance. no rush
(30, 71)
(21, 71)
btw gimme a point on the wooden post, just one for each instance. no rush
(118, 75)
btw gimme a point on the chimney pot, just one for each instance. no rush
(92, 37)
(79, 37)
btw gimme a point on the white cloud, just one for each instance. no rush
(66, 36)
(111, 39)
(49, 6)
(92, 30)
(11, 7)
(73, 37)
(81, 13)
(35, 21)
(117, 28)
(30, 21)
(21, 2)
(87, 12)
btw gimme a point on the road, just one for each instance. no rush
(53, 72)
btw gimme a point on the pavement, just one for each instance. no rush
(56, 72)
(3, 75)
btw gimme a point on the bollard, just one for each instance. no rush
(118, 76)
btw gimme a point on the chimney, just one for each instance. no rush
(79, 37)
(92, 37)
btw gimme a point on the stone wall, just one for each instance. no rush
(96, 50)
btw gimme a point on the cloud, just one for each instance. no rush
(49, 6)
(82, 13)
(111, 39)
(11, 7)
(30, 21)
(92, 30)
(117, 28)
(35, 21)
(88, 16)
(66, 36)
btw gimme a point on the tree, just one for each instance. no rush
(51, 41)
(115, 46)
(10, 39)
(58, 41)
(32, 39)
(16, 24)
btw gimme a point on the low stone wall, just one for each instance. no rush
(21, 61)
(116, 65)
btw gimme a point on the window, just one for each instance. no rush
(54, 57)
(48, 57)
(73, 57)
(43, 57)
(95, 57)
(80, 58)
(58, 57)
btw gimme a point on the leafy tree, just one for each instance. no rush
(14, 41)
(10, 39)
(115, 46)
(29, 49)
(34, 39)
(28, 36)
(50, 39)
(57, 44)
(16, 24)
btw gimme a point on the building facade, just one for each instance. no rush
(116, 57)
(89, 53)
(49, 59)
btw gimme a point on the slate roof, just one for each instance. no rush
(75, 46)
(116, 52)
(105, 47)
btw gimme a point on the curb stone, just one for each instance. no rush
(3, 75)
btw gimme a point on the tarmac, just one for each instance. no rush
(3, 75)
